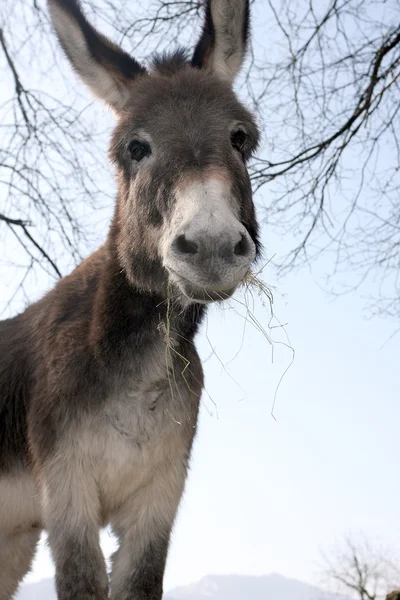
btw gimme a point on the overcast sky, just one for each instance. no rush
(267, 494)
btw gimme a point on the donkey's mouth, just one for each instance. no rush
(201, 294)
(204, 296)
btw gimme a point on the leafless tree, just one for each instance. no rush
(324, 79)
(42, 177)
(360, 570)
(331, 110)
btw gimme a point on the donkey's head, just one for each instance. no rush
(185, 214)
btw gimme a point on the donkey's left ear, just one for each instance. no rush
(222, 45)
(105, 68)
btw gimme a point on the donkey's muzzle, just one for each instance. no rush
(209, 266)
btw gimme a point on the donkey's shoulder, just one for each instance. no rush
(29, 342)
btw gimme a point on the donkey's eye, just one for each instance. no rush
(238, 140)
(139, 149)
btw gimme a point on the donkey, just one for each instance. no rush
(100, 381)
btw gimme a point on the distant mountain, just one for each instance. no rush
(244, 587)
(214, 587)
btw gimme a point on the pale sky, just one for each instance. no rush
(268, 495)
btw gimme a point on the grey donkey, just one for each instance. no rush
(100, 381)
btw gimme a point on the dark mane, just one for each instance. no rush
(167, 63)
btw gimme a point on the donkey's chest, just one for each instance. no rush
(139, 431)
(135, 415)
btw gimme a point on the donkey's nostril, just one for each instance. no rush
(185, 246)
(243, 247)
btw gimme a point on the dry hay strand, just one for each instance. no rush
(252, 285)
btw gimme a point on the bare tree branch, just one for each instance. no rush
(358, 568)
(324, 80)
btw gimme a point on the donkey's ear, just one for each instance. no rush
(222, 45)
(103, 66)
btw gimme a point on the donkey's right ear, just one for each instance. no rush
(102, 65)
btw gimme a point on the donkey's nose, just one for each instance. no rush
(243, 247)
(201, 247)
(181, 245)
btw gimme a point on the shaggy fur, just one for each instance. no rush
(100, 381)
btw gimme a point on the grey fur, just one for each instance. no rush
(100, 381)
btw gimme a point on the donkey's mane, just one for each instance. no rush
(167, 63)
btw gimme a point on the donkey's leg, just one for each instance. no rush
(143, 525)
(71, 515)
(138, 566)
(16, 553)
(20, 526)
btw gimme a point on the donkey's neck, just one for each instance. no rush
(127, 318)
